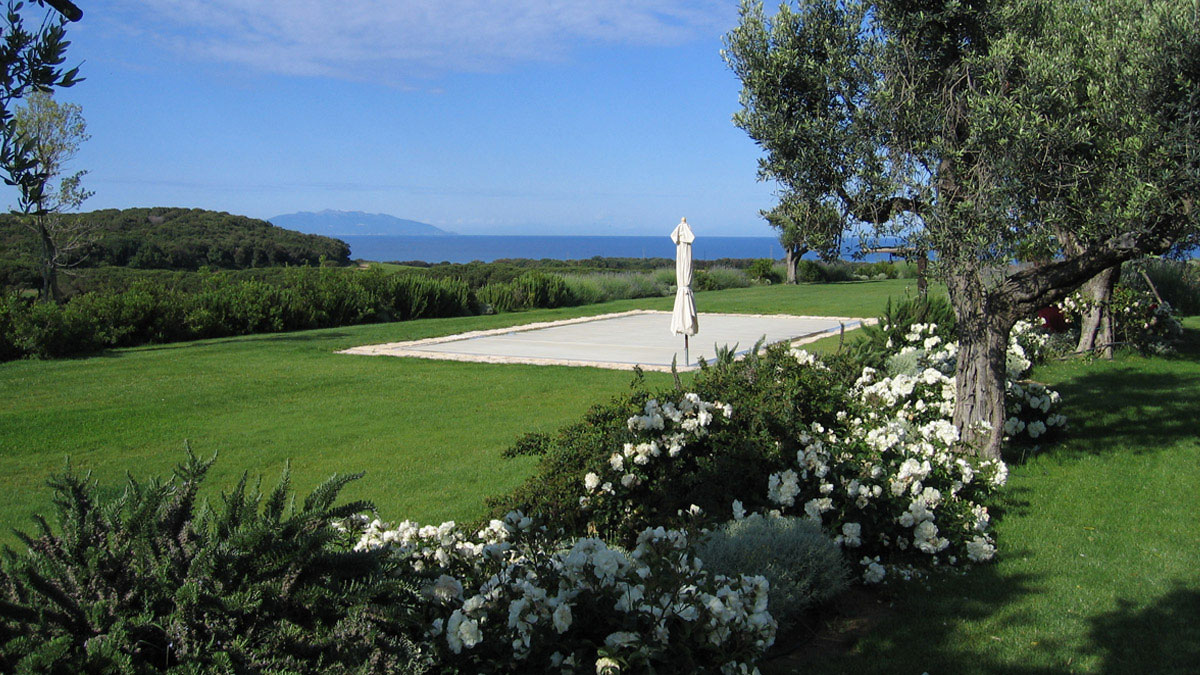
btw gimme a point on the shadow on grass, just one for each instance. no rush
(1132, 408)
(923, 634)
(1163, 637)
(1120, 409)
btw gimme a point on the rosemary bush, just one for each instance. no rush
(153, 580)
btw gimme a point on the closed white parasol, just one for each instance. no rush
(683, 317)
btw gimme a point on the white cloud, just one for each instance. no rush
(363, 39)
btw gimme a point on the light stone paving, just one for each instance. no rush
(619, 341)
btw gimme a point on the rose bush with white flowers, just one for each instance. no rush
(1140, 320)
(510, 598)
(642, 459)
(890, 480)
(873, 455)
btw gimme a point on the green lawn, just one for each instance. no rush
(428, 433)
(1099, 563)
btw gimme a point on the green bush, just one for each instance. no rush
(719, 278)
(152, 580)
(803, 565)
(773, 399)
(837, 271)
(607, 286)
(10, 308)
(47, 330)
(763, 270)
(1177, 281)
(531, 289)
(208, 305)
(809, 271)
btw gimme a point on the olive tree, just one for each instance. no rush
(977, 126)
(54, 132)
(805, 226)
(32, 61)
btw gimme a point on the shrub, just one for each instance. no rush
(802, 564)
(47, 330)
(210, 305)
(719, 278)
(664, 451)
(543, 290)
(604, 287)
(151, 580)
(11, 306)
(531, 289)
(837, 271)
(1139, 319)
(876, 460)
(510, 599)
(809, 271)
(763, 270)
(1177, 281)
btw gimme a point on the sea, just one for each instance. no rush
(487, 248)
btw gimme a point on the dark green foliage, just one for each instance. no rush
(802, 563)
(764, 270)
(809, 271)
(1177, 281)
(872, 345)
(153, 580)
(531, 289)
(773, 398)
(168, 238)
(213, 305)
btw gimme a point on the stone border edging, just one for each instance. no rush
(404, 348)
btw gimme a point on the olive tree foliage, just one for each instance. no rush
(54, 131)
(977, 127)
(32, 61)
(803, 227)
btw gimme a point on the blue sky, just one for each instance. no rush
(481, 117)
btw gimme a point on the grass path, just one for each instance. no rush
(1099, 563)
(428, 433)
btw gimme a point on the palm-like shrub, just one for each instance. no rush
(876, 343)
(154, 580)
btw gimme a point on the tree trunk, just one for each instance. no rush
(923, 274)
(986, 317)
(979, 379)
(49, 291)
(1096, 331)
(792, 262)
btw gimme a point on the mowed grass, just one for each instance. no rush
(1099, 562)
(428, 434)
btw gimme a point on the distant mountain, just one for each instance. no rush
(349, 223)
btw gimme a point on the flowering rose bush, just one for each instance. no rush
(509, 598)
(641, 459)
(874, 457)
(664, 434)
(1139, 319)
(922, 347)
(890, 479)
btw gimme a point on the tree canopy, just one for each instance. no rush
(977, 128)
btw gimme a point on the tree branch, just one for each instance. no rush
(1028, 290)
(67, 9)
(878, 211)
